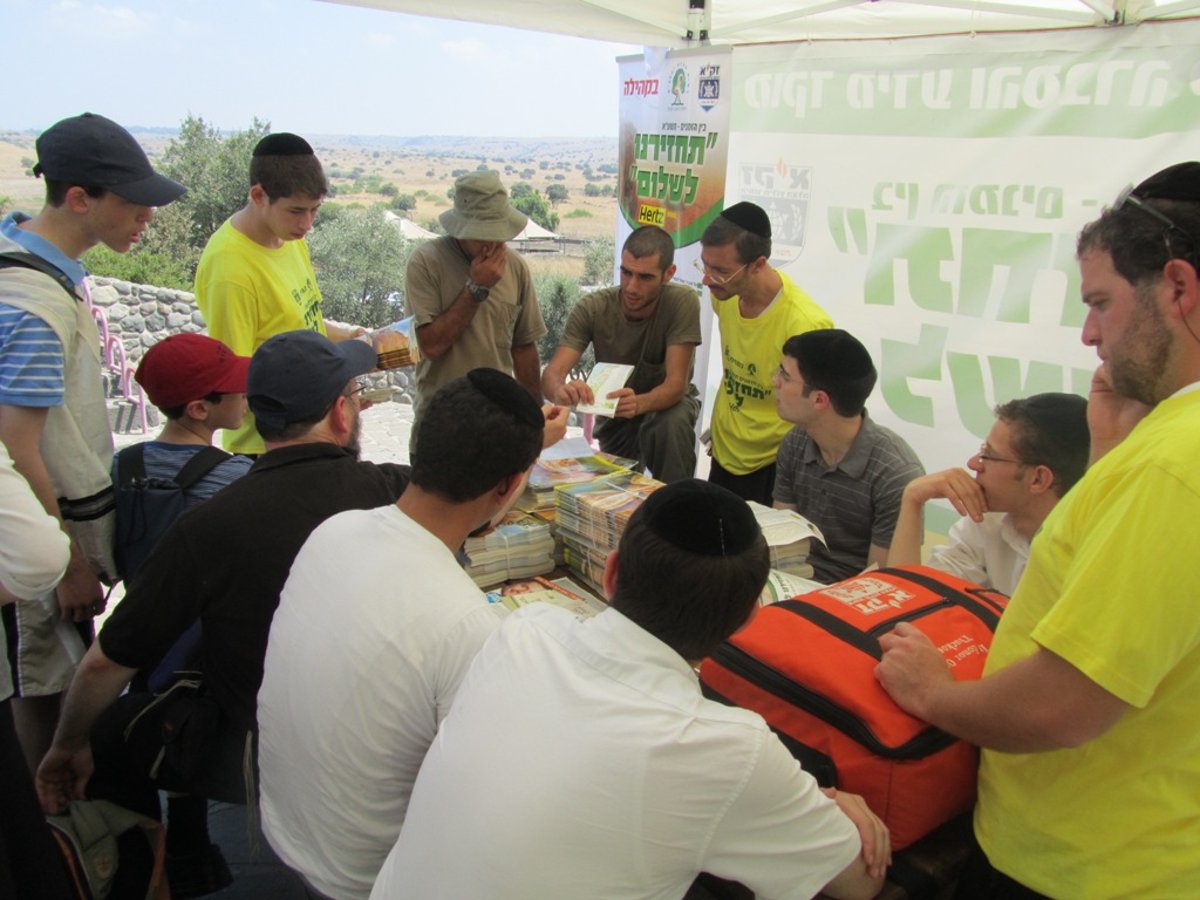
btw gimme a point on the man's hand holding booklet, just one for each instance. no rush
(605, 380)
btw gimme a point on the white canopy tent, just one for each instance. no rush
(683, 23)
(409, 230)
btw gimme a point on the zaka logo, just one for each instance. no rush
(679, 87)
(709, 90)
(783, 190)
(870, 595)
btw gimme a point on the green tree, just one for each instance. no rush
(404, 202)
(533, 204)
(360, 261)
(556, 194)
(591, 189)
(144, 267)
(598, 261)
(557, 295)
(216, 172)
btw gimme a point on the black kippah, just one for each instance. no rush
(830, 355)
(1060, 418)
(283, 144)
(702, 518)
(504, 391)
(1178, 182)
(750, 217)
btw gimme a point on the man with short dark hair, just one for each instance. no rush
(837, 467)
(1089, 777)
(354, 689)
(580, 759)
(100, 189)
(653, 326)
(1036, 450)
(224, 563)
(255, 277)
(474, 300)
(758, 308)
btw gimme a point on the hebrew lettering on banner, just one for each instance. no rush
(928, 193)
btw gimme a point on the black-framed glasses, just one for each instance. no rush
(718, 280)
(985, 455)
(1128, 198)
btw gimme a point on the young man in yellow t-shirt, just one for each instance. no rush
(758, 308)
(255, 277)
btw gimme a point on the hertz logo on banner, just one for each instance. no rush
(652, 215)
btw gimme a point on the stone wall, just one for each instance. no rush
(142, 315)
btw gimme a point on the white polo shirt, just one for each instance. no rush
(990, 553)
(581, 761)
(376, 628)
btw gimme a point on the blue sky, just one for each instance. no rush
(305, 66)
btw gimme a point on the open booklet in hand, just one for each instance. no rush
(603, 380)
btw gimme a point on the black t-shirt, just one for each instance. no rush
(226, 561)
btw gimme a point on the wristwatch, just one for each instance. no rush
(478, 291)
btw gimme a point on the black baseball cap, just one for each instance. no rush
(296, 376)
(92, 151)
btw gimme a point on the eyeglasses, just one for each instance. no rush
(782, 374)
(985, 455)
(718, 280)
(1128, 198)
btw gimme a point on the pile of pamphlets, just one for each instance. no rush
(559, 592)
(789, 536)
(519, 547)
(592, 517)
(548, 474)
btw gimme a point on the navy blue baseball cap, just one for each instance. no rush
(296, 376)
(92, 151)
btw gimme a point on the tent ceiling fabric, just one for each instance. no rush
(664, 23)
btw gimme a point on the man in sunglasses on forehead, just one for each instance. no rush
(758, 308)
(1089, 780)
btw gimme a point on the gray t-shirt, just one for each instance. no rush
(510, 317)
(855, 502)
(597, 319)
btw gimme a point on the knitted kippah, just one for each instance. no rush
(504, 391)
(283, 144)
(1178, 182)
(701, 518)
(750, 217)
(830, 355)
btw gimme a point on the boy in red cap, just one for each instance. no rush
(199, 385)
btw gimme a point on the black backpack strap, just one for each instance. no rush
(200, 465)
(30, 261)
(131, 464)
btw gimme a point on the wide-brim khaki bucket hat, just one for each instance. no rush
(481, 210)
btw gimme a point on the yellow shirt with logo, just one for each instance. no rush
(248, 293)
(746, 428)
(1112, 587)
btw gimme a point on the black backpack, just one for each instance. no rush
(146, 507)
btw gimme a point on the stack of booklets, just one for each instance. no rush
(396, 344)
(548, 474)
(592, 517)
(789, 536)
(559, 592)
(519, 547)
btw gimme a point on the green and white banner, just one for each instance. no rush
(928, 193)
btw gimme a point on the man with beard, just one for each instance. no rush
(1089, 780)
(224, 563)
(1036, 450)
(653, 326)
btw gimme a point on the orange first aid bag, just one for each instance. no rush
(807, 666)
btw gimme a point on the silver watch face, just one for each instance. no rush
(478, 291)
